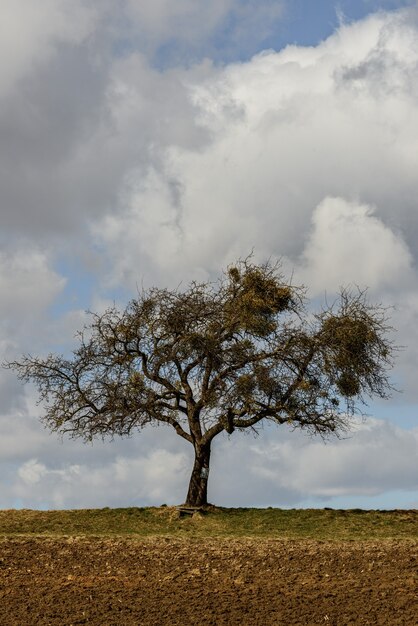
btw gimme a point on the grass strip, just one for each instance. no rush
(319, 524)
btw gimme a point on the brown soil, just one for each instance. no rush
(166, 581)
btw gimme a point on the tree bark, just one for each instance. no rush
(197, 494)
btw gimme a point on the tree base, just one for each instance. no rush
(203, 507)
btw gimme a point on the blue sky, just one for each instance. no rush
(306, 23)
(153, 143)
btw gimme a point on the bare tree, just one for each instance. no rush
(218, 357)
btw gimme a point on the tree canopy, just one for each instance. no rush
(217, 357)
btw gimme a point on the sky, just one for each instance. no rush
(152, 143)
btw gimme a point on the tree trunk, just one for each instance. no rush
(198, 486)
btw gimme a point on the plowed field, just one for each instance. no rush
(217, 582)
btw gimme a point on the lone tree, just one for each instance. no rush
(217, 357)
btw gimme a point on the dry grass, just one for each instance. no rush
(319, 524)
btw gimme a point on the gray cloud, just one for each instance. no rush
(359, 465)
(279, 468)
(160, 175)
(74, 131)
(29, 35)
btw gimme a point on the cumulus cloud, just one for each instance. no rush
(147, 470)
(287, 130)
(282, 469)
(286, 468)
(359, 465)
(149, 480)
(77, 89)
(347, 244)
(70, 149)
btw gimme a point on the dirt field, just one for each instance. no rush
(207, 582)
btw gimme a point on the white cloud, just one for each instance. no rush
(279, 468)
(287, 130)
(31, 472)
(349, 245)
(156, 477)
(287, 467)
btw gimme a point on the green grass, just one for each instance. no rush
(320, 524)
